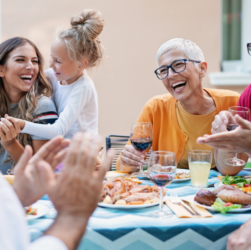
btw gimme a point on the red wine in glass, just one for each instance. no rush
(161, 170)
(161, 180)
(141, 136)
(141, 144)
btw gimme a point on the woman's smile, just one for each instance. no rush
(178, 86)
(27, 78)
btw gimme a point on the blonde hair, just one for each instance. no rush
(191, 49)
(81, 40)
(28, 103)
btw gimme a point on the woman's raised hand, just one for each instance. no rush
(77, 190)
(220, 122)
(9, 130)
(131, 159)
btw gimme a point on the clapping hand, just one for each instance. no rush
(77, 190)
(27, 184)
(238, 140)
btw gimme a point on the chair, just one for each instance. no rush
(117, 143)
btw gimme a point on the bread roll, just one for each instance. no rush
(205, 197)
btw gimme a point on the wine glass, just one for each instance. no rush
(141, 137)
(162, 170)
(244, 113)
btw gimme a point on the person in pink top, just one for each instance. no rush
(245, 98)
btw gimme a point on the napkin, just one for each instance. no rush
(181, 212)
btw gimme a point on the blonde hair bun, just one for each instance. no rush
(81, 39)
(90, 22)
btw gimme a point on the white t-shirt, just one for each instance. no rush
(77, 105)
(13, 228)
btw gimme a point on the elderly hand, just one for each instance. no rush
(220, 122)
(236, 141)
(131, 158)
(240, 239)
(9, 130)
(27, 183)
(76, 191)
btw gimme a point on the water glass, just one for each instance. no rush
(200, 162)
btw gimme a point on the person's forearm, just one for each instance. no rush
(220, 156)
(69, 229)
(75, 104)
(15, 150)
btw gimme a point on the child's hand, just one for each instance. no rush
(9, 130)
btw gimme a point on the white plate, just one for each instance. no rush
(41, 211)
(217, 184)
(178, 171)
(111, 174)
(129, 206)
(239, 210)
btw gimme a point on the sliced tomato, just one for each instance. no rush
(234, 185)
(227, 204)
(247, 185)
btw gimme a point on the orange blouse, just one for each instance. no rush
(161, 112)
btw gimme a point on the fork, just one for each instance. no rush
(175, 200)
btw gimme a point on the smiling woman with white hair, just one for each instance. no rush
(186, 112)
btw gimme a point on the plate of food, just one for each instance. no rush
(181, 175)
(225, 198)
(127, 193)
(35, 211)
(111, 174)
(241, 182)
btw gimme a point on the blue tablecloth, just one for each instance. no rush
(133, 229)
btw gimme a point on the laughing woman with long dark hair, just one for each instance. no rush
(24, 94)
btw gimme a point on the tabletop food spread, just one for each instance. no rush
(121, 220)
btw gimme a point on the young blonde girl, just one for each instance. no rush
(73, 51)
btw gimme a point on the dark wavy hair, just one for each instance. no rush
(41, 87)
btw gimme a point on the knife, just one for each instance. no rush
(189, 204)
(211, 185)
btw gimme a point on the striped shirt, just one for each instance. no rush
(44, 113)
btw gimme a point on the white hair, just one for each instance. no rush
(191, 49)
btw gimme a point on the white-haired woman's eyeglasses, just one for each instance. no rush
(177, 67)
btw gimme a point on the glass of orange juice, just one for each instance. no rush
(199, 162)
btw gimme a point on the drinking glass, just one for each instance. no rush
(199, 162)
(245, 114)
(141, 137)
(162, 170)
